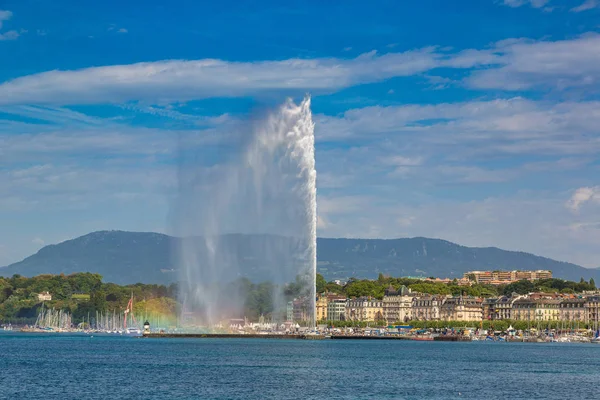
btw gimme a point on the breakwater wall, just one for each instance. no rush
(267, 336)
(222, 336)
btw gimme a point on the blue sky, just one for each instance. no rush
(475, 121)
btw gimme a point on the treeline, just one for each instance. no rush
(376, 288)
(81, 294)
(548, 286)
(84, 295)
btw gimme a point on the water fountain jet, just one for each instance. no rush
(252, 216)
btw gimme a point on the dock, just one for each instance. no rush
(452, 338)
(268, 336)
(389, 337)
(228, 336)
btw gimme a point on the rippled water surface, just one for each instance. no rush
(83, 367)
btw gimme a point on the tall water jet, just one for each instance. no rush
(252, 215)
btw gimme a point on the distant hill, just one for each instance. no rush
(131, 257)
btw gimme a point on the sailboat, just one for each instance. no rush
(133, 330)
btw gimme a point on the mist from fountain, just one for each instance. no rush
(254, 215)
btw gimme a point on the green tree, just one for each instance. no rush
(334, 288)
(592, 283)
(521, 287)
(321, 283)
(364, 288)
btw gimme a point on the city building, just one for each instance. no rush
(524, 310)
(537, 309)
(572, 310)
(460, 282)
(488, 308)
(46, 296)
(426, 307)
(504, 277)
(301, 309)
(364, 309)
(497, 308)
(336, 309)
(504, 306)
(461, 308)
(321, 307)
(289, 311)
(397, 305)
(592, 308)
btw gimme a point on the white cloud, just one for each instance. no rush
(583, 195)
(176, 80)
(527, 65)
(532, 3)
(510, 65)
(10, 35)
(401, 161)
(75, 186)
(38, 241)
(402, 165)
(122, 30)
(586, 5)
(5, 15)
(508, 126)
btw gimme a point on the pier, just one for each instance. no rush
(227, 336)
(268, 336)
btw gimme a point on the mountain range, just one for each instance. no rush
(131, 257)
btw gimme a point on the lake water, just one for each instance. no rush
(58, 366)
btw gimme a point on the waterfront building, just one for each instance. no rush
(572, 310)
(504, 306)
(322, 304)
(504, 277)
(497, 308)
(461, 308)
(301, 309)
(537, 309)
(488, 308)
(427, 307)
(336, 310)
(289, 311)
(397, 304)
(524, 309)
(592, 308)
(364, 309)
(321, 307)
(46, 296)
(548, 310)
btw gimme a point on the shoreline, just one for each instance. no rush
(441, 338)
